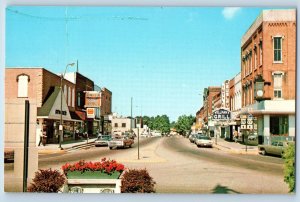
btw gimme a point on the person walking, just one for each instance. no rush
(235, 134)
(42, 135)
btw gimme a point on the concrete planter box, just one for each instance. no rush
(92, 175)
(92, 182)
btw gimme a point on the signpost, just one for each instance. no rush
(248, 123)
(221, 115)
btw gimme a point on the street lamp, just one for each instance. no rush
(61, 96)
(139, 134)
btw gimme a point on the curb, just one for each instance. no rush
(235, 151)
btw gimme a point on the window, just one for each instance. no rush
(23, 85)
(69, 96)
(250, 61)
(123, 125)
(116, 125)
(277, 49)
(65, 91)
(78, 99)
(277, 85)
(73, 97)
(260, 53)
(279, 125)
(255, 58)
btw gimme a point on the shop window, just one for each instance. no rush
(23, 80)
(279, 125)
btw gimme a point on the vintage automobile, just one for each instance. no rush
(203, 141)
(8, 155)
(120, 142)
(276, 148)
(102, 140)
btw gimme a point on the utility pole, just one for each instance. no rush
(131, 116)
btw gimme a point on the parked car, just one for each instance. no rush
(102, 140)
(192, 138)
(276, 148)
(120, 142)
(203, 141)
(8, 155)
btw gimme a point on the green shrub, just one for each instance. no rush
(49, 181)
(137, 181)
(289, 166)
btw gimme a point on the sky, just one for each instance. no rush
(163, 57)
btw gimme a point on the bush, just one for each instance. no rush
(137, 181)
(49, 181)
(289, 166)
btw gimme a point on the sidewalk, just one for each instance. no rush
(233, 147)
(54, 148)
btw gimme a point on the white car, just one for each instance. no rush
(102, 140)
(203, 141)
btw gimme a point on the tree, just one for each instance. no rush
(289, 166)
(184, 124)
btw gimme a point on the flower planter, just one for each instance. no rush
(92, 175)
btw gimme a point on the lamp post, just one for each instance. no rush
(61, 96)
(139, 134)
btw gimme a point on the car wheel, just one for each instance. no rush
(110, 147)
(130, 146)
(198, 145)
(263, 152)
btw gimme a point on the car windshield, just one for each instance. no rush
(204, 138)
(106, 137)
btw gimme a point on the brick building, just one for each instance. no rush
(268, 51)
(43, 87)
(208, 95)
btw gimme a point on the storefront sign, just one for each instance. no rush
(92, 99)
(90, 113)
(221, 114)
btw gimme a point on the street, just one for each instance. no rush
(180, 167)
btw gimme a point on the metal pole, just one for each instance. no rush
(138, 143)
(61, 121)
(131, 116)
(26, 134)
(246, 139)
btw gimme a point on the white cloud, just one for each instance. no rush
(230, 12)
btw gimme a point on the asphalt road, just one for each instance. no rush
(178, 166)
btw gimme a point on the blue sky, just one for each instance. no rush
(163, 57)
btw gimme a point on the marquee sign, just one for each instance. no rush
(92, 99)
(221, 114)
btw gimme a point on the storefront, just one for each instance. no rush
(275, 120)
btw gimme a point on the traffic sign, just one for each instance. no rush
(250, 127)
(243, 127)
(243, 122)
(249, 121)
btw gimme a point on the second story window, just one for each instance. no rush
(23, 85)
(260, 53)
(116, 125)
(277, 49)
(123, 125)
(277, 85)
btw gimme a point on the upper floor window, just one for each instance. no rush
(255, 58)
(277, 84)
(123, 125)
(69, 96)
(78, 99)
(73, 97)
(116, 125)
(260, 53)
(277, 49)
(23, 85)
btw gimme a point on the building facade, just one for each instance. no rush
(268, 52)
(43, 86)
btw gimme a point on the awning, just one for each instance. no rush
(51, 109)
(77, 116)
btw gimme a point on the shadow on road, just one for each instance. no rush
(219, 189)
